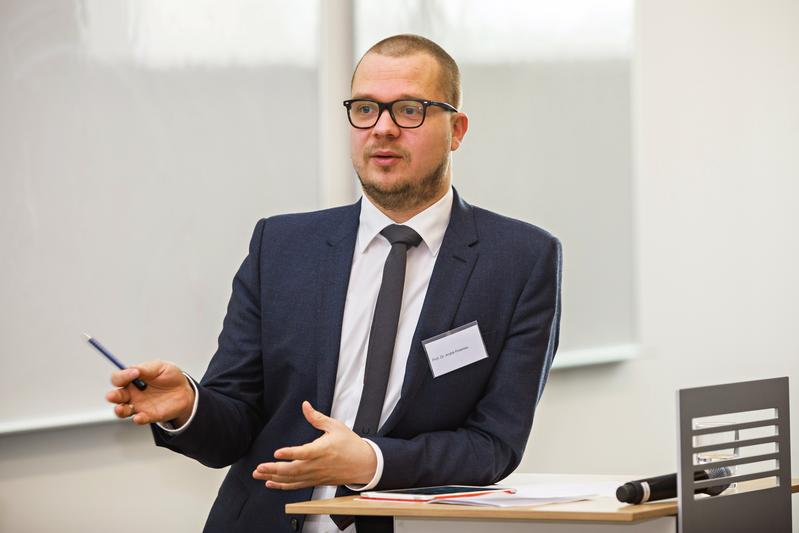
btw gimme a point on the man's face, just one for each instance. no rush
(403, 169)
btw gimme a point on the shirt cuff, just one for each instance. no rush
(378, 470)
(170, 428)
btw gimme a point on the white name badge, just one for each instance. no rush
(455, 349)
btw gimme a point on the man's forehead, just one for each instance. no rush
(409, 73)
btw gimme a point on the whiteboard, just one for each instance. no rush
(128, 196)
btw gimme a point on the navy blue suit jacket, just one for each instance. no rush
(280, 341)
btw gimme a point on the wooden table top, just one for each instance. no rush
(603, 508)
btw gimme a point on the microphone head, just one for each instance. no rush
(716, 473)
(629, 493)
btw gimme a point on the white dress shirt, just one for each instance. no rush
(371, 251)
(369, 256)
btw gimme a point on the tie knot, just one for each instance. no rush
(397, 233)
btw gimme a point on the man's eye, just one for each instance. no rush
(364, 109)
(411, 111)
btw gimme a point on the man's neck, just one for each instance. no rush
(405, 214)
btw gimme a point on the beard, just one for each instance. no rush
(409, 194)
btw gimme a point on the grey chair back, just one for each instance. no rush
(747, 426)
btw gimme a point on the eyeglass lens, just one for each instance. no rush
(406, 113)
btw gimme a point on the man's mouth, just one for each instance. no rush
(385, 157)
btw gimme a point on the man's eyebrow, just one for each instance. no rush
(403, 96)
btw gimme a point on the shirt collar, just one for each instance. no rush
(430, 224)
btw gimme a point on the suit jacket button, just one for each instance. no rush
(295, 524)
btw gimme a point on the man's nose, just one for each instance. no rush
(385, 125)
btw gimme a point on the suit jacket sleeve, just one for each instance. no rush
(489, 444)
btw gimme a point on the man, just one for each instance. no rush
(329, 313)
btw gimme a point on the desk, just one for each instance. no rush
(603, 514)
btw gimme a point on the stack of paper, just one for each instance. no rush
(425, 494)
(528, 495)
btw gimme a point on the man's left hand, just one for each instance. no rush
(339, 457)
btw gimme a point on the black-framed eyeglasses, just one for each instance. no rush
(407, 113)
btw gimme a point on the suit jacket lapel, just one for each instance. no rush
(333, 273)
(454, 265)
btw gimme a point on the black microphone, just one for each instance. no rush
(664, 487)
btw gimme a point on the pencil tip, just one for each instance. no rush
(88, 337)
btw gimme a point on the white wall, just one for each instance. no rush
(717, 144)
(107, 477)
(716, 188)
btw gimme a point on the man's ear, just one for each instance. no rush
(460, 124)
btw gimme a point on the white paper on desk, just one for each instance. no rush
(558, 490)
(529, 495)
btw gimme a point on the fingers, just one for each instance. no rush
(289, 473)
(303, 453)
(150, 370)
(124, 407)
(118, 396)
(268, 470)
(142, 419)
(315, 418)
(121, 397)
(290, 476)
(124, 410)
(122, 378)
(289, 486)
(127, 410)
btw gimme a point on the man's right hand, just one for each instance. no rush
(169, 397)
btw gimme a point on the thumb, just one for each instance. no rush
(150, 370)
(315, 418)
(147, 371)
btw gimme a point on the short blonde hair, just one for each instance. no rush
(407, 44)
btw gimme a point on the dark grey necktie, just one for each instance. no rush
(382, 337)
(384, 329)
